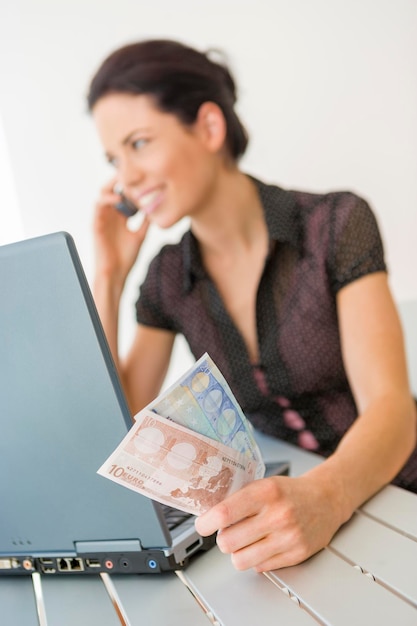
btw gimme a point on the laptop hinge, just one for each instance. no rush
(122, 545)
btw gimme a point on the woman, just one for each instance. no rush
(286, 290)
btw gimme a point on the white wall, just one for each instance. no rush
(328, 92)
(11, 226)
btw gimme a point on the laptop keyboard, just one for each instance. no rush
(174, 517)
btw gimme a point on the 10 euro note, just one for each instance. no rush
(175, 466)
(202, 401)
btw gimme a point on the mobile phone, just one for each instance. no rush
(277, 468)
(126, 206)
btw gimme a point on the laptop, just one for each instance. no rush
(62, 412)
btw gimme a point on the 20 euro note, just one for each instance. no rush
(175, 466)
(202, 401)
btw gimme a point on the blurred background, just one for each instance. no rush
(328, 93)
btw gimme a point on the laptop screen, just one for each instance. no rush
(62, 410)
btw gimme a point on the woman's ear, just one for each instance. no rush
(211, 126)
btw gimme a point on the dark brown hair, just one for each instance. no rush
(179, 78)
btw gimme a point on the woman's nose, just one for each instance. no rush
(129, 174)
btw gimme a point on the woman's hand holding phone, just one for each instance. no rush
(117, 246)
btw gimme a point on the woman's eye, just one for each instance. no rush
(139, 143)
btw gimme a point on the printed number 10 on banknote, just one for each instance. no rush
(176, 466)
(202, 401)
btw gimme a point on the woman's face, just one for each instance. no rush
(166, 168)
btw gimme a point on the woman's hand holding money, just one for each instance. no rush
(275, 522)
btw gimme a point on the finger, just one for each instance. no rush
(270, 521)
(286, 558)
(219, 516)
(112, 185)
(273, 551)
(107, 199)
(243, 503)
(110, 192)
(244, 533)
(255, 556)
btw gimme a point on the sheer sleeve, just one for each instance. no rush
(356, 247)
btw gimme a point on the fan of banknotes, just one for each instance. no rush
(191, 447)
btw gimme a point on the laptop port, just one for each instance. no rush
(47, 566)
(92, 563)
(76, 565)
(9, 563)
(70, 565)
(193, 546)
(63, 565)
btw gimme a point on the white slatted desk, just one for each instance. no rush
(367, 576)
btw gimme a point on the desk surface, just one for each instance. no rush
(366, 576)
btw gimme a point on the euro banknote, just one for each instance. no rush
(203, 401)
(176, 466)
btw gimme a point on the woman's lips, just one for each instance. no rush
(148, 202)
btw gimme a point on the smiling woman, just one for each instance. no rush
(287, 290)
(153, 157)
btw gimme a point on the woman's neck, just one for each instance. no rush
(234, 220)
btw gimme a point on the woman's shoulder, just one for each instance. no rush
(306, 202)
(295, 214)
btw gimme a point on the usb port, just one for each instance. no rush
(9, 563)
(47, 566)
(92, 563)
